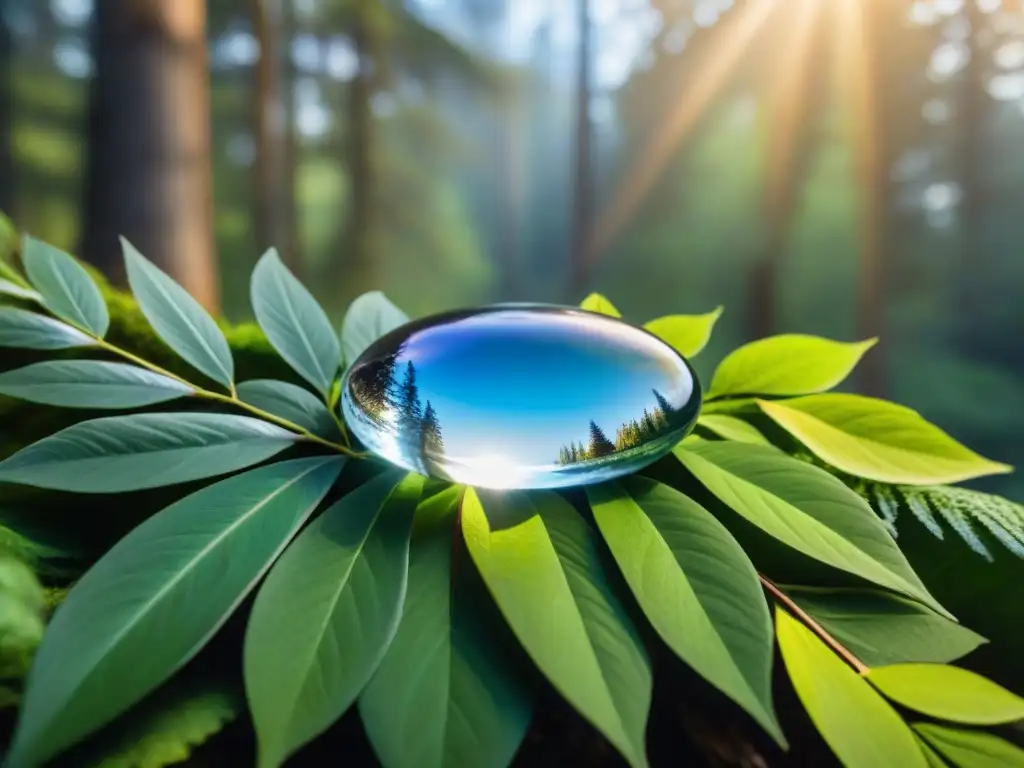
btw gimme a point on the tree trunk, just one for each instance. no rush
(273, 116)
(861, 31)
(360, 152)
(794, 116)
(513, 160)
(7, 195)
(149, 174)
(973, 267)
(583, 172)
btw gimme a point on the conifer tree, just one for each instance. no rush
(599, 444)
(431, 441)
(409, 417)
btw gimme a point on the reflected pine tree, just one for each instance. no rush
(652, 424)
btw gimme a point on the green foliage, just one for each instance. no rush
(449, 691)
(65, 286)
(595, 302)
(948, 693)
(90, 384)
(145, 450)
(27, 330)
(786, 365)
(805, 508)
(583, 641)
(692, 579)
(294, 323)
(164, 729)
(178, 319)
(971, 749)
(860, 727)
(290, 402)
(382, 605)
(371, 316)
(339, 590)
(882, 628)
(878, 440)
(687, 334)
(152, 602)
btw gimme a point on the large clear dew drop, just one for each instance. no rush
(520, 396)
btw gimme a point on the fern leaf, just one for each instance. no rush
(967, 512)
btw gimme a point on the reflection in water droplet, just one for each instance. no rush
(520, 396)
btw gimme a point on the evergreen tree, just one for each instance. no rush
(432, 441)
(664, 405)
(648, 426)
(375, 387)
(599, 444)
(409, 417)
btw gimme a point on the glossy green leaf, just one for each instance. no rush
(791, 364)
(294, 322)
(22, 329)
(696, 586)
(153, 601)
(732, 428)
(178, 319)
(166, 728)
(297, 405)
(66, 287)
(878, 440)
(595, 302)
(687, 334)
(144, 450)
(368, 318)
(446, 694)
(9, 288)
(583, 640)
(857, 724)
(882, 628)
(971, 749)
(805, 508)
(339, 590)
(90, 384)
(948, 693)
(932, 757)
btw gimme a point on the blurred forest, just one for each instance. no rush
(840, 167)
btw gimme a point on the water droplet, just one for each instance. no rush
(520, 396)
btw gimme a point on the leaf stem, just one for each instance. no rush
(232, 399)
(800, 614)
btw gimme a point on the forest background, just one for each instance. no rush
(850, 168)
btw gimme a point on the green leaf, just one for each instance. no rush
(66, 287)
(687, 334)
(165, 729)
(930, 755)
(878, 440)
(156, 597)
(290, 402)
(22, 329)
(338, 590)
(696, 586)
(368, 318)
(858, 725)
(9, 288)
(595, 302)
(948, 693)
(294, 322)
(144, 450)
(805, 508)
(583, 640)
(90, 384)
(971, 749)
(178, 319)
(21, 617)
(882, 628)
(732, 428)
(446, 693)
(792, 364)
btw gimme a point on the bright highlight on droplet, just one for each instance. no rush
(520, 396)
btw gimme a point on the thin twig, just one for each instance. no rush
(858, 666)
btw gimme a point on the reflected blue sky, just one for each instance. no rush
(522, 385)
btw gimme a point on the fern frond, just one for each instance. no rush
(963, 510)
